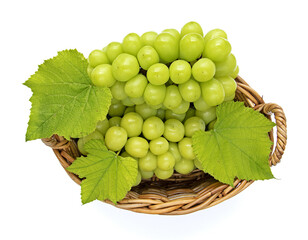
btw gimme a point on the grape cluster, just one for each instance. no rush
(165, 87)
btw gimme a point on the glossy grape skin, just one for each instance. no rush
(154, 94)
(213, 92)
(102, 126)
(169, 114)
(148, 163)
(135, 86)
(180, 71)
(97, 57)
(201, 105)
(186, 149)
(173, 148)
(101, 76)
(146, 175)
(182, 108)
(175, 33)
(203, 70)
(173, 97)
(115, 138)
(125, 67)
(145, 111)
(127, 102)
(118, 90)
(137, 147)
(116, 110)
(229, 86)
(184, 166)
(174, 130)
(148, 38)
(208, 115)
(210, 126)
(214, 34)
(162, 174)
(82, 141)
(217, 49)
(167, 47)
(158, 74)
(138, 179)
(159, 146)
(165, 161)
(235, 72)
(114, 121)
(137, 101)
(191, 46)
(191, 27)
(131, 44)
(113, 50)
(147, 56)
(226, 67)
(190, 90)
(132, 122)
(192, 125)
(153, 128)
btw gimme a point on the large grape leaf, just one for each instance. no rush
(64, 100)
(238, 146)
(107, 175)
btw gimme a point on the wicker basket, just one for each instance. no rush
(183, 194)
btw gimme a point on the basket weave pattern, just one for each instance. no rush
(183, 194)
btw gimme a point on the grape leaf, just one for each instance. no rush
(108, 176)
(238, 146)
(64, 100)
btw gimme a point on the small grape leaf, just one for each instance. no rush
(107, 175)
(238, 146)
(64, 100)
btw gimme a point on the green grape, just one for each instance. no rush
(127, 102)
(157, 106)
(82, 141)
(146, 175)
(165, 161)
(214, 34)
(190, 113)
(198, 164)
(210, 126)
(167, 47)
(213, 92)
(147, 56)
(138, 179)
(154, 94)
(161, 113)
(102, 126)
(171, 115)
(173, 148)
(118, 90)
(174, 130)
(162, 174)
(137, 147)
(137, 101)
(114, 49)
(125, 67)
(159, 146)
(191, 46)
(132, 122)
(148, 38)
(230, 98)
(153, 127)
(89, 70)
(191, 27)
(229, 86)
(235, 72)
(114, 101)
(97, 57)
(186, 149)
(135, 86)
(203, 70)
(201, 105)
(125, 154)
(116, 110)
(129, 109)
(148, 163)
(184, 166)
(158, 74)
(114, 121)
(226, 67)
(173, 97)
(175, 33)
(190, 90)
(208, 115)
(131, 44)
(115, 138)
(182, 108)
(180, 71)
(217, 49)
(192, 125)
(145, 111)
(101, 76)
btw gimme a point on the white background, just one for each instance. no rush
(39, 201)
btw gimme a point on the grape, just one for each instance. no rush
(135, 86)
(190, 113)
(114, 49)
(214, 34)
(125, 67)
(157, 106)
(174, 130)
(97, 57)
(235, 72)
(132, 122)
(173, 148)
(173, 97)
(184, 166)
(226, 67)
(82, 141)
(147, 56)
(115, 138)
(154, 94)
(180, 71)
(129, 109)
(191, 27)
(208, 115)
(127, 102)
(159, 146)
(118, 91)
(190, 90)
(186, 149)
(145, 111)
(114, 121)
(192, 125)
(116, 110)
(161, 113)
(229, 86)
(132, 43)
(165, 161)
(182, 108)
(191, 46)
(162, 174)
(167, 47)
(148, 163)
(153, 127)
(203, 70)
(89, 70)
(213, 92)
(210, 126)
(137, 147)
(175, 33)
(137, 101)
(138, 179)
(101, 76)
(102, 126)
(158, 74)
(125, 154)
(217, 49)
(201, 105)
(198, 164)
(146, 175)
(231, 97)
(148, 38)
(171, 115)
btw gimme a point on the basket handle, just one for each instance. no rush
(281, 125)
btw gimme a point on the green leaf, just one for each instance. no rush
(64, 100)
(108, 176)
(238, 146)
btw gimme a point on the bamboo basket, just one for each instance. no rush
(183, 194)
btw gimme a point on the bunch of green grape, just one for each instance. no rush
(165, 87)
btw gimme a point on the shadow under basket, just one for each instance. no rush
(183, 194)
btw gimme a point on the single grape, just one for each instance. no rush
(210, 126)
(146, 175)
(97, 57)
(174, 130)
(101, 76)
(148, 163)
(102, 126)
(158, 74)
(82, 141)
(208, 115)
(171, 115)
(114, 121)
(137, 101)
(137, 147)
(190, 113)
(190, 90)
(173, 148)
(159, 146)
(153, 127)
(214, 34)
(180, 71)
(192, 125)
(145, 111)
(173, 97)
(213, 92)
(138, 179)
(113, 50)
(165, 161)
(191, 27)
(217, 49)
(116, 110)
(135, 86)
(115, 138)
(186, 149)
(132, 122)
(198, 164)
(230, 98)
(226, 67)
(235, 72)
(167, 47)
(148, 38)
(154, 94)
(229, 86)
(182, 108)
(175, 33)
(131, 44)
(184, 166)
(125, 67)
(162, 174)
(161, 113)
(203, 70)
(127, 102)
(191, 46)
(147, 56)
(201, 105)
(118, 90)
